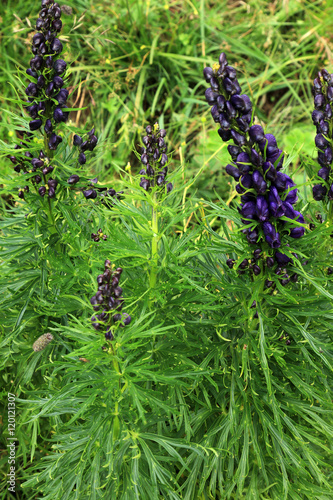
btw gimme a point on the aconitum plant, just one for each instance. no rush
(322, 118)
(216, 383)
(268, 195)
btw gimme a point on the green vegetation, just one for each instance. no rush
(139, 61)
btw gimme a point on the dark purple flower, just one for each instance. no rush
(259, 183)
(276, 158)
(77, 141)
(62, 96)
(208, 73)
(324, 173)
(42, 190)
(252, 236)
(270, 262)
(319, 101)
(59, 66)
(319, 191)
(275, 202)
(73, 179)
(246, 181)
(282, 258)
(231, 86)
(297, 232)
(317, 116)
(268, 144)
(249, 210)
(90, 194)
(211, 96)
(289, 210)
(262, 209)
(35, 124)
(56, 46)
(257, 133)
(59, 115)
(31, 90)
(269, 171)
(233, 171)
(48, 126)
(239, 139)
(82, 159)
(271, 236)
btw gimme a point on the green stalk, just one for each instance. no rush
(154, 246)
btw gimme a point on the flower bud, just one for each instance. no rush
(42, 342)
(31, 90)
(233, 171)
(48, 126)
(319, 191)
(59, 66)
(230, 263)
(82, 159)
(256, 133)
(262, 210)
(208, 74)
(271, 236)
(62, 96)
(256, 270)
(90, 194)
(35, 124)
(42, 190)
(73, 179)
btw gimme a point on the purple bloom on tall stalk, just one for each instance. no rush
(322, 118)
(266, 192)
(108, 302)
(154, 160)
(46, 73)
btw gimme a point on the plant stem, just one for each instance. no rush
(330, 213)
(154, 246)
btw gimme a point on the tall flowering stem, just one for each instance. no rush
(323, 120)
(46, 104)
(268, 195)
(154, 160)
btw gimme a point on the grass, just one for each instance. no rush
(137, 62)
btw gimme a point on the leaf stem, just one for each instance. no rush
(154, 246)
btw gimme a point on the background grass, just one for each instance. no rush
(135, 62)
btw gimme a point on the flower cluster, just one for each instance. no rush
(88, 145)
(267, 194)
(39, 167)
(47, 98)
(322, 118)
(154, 159)
(109, 302)
(98, 236)
(46, 72)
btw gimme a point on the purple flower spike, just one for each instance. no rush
(262, 209)
(271, 236)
